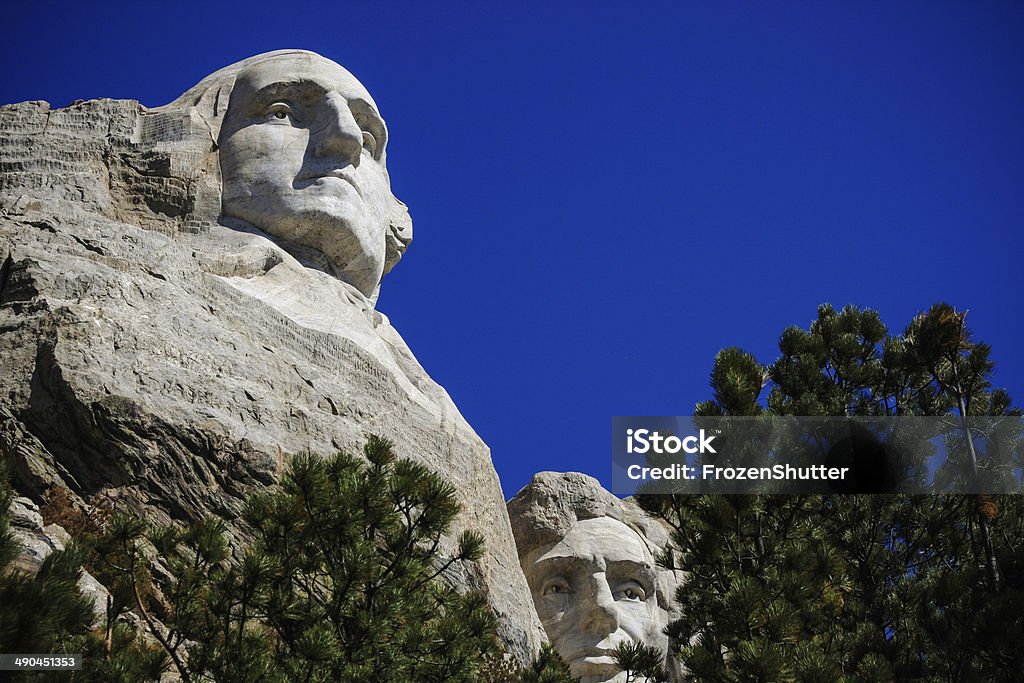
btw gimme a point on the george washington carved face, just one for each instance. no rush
(302, 157)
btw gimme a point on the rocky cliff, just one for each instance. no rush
(172, 364)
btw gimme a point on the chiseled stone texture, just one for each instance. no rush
(172, 363)
(590, 561)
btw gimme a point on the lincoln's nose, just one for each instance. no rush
(336, 133)
(602, 615)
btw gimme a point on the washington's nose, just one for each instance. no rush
(336, 133)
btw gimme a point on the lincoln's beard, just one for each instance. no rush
(590, 674)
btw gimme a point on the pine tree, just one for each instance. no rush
(547, 668)
(42, 611)
(641, 663)
(344, 580)
(45, 613)
(867, 588)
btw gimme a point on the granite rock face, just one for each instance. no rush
(166, 358)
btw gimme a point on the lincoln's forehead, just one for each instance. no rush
(301, 72)
(600, 541)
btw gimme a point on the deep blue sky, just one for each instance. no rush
(604, 195)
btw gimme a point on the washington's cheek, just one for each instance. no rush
(374, 189)
(271, 156)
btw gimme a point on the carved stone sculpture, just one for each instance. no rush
(303, 160)
(187, 295)
(589, 559)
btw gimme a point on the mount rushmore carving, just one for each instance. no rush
(188, 293)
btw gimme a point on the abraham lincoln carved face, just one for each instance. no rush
(596, 589)
(589, 559)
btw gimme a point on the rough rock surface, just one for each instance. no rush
(172, 363)
(38, 541)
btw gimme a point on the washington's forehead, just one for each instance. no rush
(302, 69)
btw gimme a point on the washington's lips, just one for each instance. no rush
(312, 176)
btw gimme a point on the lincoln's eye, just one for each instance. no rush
(557, 587)
(633, 592)
(280, 115)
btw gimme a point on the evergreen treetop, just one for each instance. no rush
(852, 588)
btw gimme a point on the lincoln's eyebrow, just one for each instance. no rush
(632, 568)
(561, 565)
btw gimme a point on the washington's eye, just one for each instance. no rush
(369, 143)
(632, 591)
(279, 111)
(375, 135)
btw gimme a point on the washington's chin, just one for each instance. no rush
(329, 213)
(357, 257)
(355, 249)
(352, 248)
